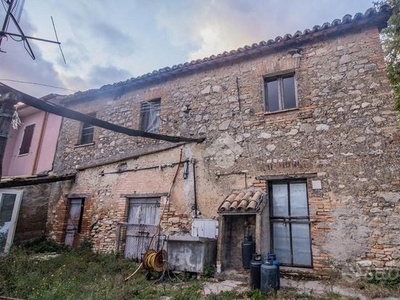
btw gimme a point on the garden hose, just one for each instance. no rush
(153, 260)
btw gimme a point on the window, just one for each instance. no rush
(290, 223)
(150, 115)
(280, 93)
(27, 139)
(87, 131)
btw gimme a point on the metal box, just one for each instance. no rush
(191, 253)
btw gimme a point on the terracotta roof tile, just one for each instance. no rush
(377, 17)
(243, 201)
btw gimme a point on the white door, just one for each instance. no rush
(10, 202)
(142, 225)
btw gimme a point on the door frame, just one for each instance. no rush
(78, 228)
(14, 215)
(289, 219)
(141, 232)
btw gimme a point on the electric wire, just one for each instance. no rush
(37, 83)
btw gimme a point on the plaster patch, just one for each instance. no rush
(348, 237)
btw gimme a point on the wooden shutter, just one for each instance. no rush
(27, 139)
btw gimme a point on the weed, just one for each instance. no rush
(86, 275)
(389, 278)
(209, 271)
(226, 295)
(42, 245)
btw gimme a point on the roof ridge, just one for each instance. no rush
(241, 51)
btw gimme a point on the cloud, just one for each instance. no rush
(113, 40)
(99, 75)
(105, 42)
(223, 25)
(18, 67)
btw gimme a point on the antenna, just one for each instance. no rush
(13, 13)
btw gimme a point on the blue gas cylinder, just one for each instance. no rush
(268, 281)
(276, 263)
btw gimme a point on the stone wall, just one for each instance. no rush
(32, 218)
(344, 133)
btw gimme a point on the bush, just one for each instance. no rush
(42, 245)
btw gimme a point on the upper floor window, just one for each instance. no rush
(27, 139)
(150, 115)
(280, 93)
(87, 131)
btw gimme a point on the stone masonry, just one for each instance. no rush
(343, 135)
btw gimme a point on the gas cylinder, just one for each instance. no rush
(268, 277)
(248, 247)
(255, 270)
(276, 263)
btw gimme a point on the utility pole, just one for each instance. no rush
(7, 102)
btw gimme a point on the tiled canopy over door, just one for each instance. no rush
(143, 217)
(290, 223)
(10, 202)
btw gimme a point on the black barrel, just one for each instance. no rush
(255, 271)
(248, 247)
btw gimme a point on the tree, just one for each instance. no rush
(391, 47)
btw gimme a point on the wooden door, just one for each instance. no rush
(74, 222)
(143, 218)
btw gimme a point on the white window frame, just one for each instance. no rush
(14, 216)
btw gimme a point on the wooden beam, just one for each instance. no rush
(71, 114)
(18, 182)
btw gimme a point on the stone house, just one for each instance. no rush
(27, 162)
(301, 152)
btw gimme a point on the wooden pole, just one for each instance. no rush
(7, 102)
(72, 114)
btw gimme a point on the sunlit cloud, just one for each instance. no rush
(106, 42)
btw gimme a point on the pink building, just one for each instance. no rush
(29, 151)
(30, 148)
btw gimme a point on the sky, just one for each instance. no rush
(111, 41)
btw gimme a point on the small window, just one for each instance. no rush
(280, 93)
(27, 139)
(150, 115)
(87, 131)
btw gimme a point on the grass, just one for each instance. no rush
(380, 284)
(82, 274)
